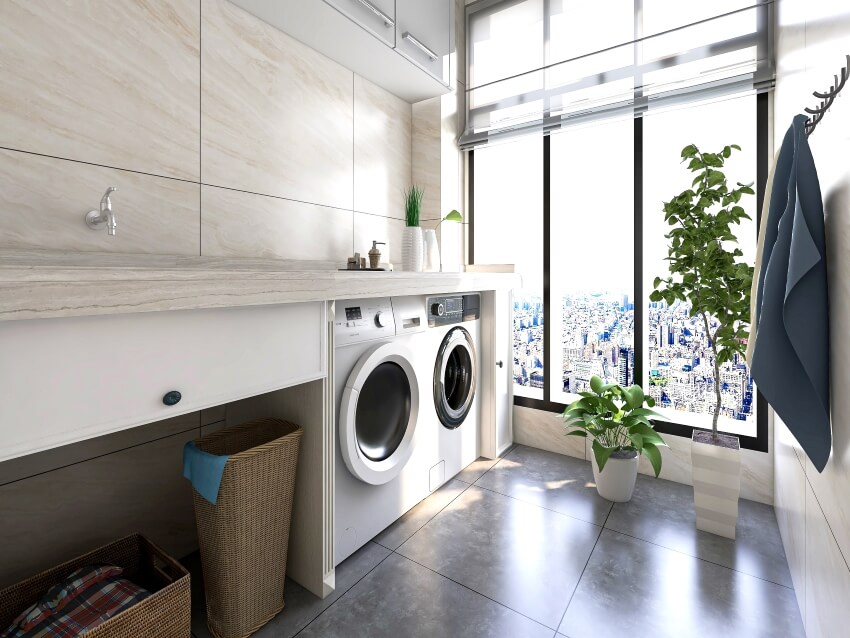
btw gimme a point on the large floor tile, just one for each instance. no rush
(518, 554)
(551, 480)
(638, 589)
(401, 598)
(479, 467)
(406, 526)
(662, 512)
(301, 605)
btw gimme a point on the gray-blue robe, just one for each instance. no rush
(791, 356)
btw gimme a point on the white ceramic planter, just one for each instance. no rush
(617, 481)
(412, 249)
(717, 485)
(431, 260)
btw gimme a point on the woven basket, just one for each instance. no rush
(166, 613)
(244, 536)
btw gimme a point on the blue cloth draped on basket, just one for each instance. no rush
(204, 470)
(790, 357)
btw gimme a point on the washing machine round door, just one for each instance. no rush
(454, 377)
(378, 414)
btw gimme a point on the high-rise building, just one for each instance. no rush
(623, 370)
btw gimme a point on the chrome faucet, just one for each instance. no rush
(97, 219)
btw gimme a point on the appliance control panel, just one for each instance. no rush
(445, 310)
(363, 320)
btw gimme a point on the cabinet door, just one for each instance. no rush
(424, 34)
(376, 16)
(504, 365)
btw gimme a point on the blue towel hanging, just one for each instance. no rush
(790, 360)
(204, 470)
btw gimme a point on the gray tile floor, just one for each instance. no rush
(525, 547)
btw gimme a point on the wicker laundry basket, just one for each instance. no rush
(244, 536)
(166, 613)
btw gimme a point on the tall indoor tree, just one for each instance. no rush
(703, 258)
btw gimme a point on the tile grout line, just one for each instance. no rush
(704, 560)
(392, 551)
(570, 516)
(468, 588)
(418, 529)
(343, 594)
(584, 569)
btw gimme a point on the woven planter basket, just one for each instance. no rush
(166, 613)
(244, 536)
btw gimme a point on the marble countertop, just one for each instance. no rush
(36, 285)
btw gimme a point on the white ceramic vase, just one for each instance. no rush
(412, 249)
(431, 261)
(617, 481)
(717, 482)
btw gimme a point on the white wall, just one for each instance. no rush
(224, 136)
(813, 38)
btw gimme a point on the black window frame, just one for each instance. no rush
(757, 443)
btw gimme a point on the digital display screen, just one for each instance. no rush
(454, 304)
(353, 313)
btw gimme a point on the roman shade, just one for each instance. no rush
(540, 65)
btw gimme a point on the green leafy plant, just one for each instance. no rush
(617, 421)
(413, 204)
(703, 258)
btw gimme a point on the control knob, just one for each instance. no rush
(379, 319)
(438, 310)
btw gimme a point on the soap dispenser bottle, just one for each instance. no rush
(375, 254)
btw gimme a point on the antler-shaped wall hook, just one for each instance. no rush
(826, 99)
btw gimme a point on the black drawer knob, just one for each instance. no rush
(172, 398)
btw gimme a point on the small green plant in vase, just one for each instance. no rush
(618, 420)
(412, 249)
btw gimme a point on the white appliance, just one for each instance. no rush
(454, 337)
(385, 448)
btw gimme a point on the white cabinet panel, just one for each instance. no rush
(65, 380)
(376, 16)
(424, 31)
(495, 363)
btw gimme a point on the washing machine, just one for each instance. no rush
(386, 448)
(454, 330)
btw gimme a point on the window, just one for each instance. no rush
(592, 256)
(678, 365)
(508, 191)
(594, 194)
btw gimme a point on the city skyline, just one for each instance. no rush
(596, 337)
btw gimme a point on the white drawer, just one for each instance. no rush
(65, 380)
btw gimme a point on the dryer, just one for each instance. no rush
(385, 448)
(454, 339)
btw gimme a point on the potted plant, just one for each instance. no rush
(706, 274)
(412, 249)
(619, 424)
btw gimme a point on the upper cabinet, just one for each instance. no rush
(403, 46)
(376, 16)
(424, 34)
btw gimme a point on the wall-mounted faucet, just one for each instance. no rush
(96, 220)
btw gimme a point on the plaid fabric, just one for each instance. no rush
(86, 598)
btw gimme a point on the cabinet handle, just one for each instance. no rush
(172, 398)
(499, 363)
(388, 21)
(412, 39)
